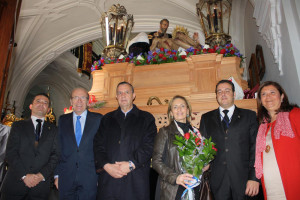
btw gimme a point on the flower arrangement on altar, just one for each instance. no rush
(195, 152)
(93, 103)
(162, 55)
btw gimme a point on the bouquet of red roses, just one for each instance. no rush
(195, 151)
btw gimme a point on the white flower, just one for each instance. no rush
(206, 46)
(140, 57)
(182, 53)
(121, 57)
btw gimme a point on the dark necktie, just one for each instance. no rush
(38, 129)
(225, 121)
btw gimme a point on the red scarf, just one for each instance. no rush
(282, 127)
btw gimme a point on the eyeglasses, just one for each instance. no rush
(227, 91)
(38, 101)
(76, 98)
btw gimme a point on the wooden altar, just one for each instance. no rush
(195, 79)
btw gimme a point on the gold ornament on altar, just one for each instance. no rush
(215, 20)
(10, 118)
(116, 27)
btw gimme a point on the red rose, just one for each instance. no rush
(204, 50)
(154, 53)
(211, 51)
(214, 148)
(223, 51)
(164, 58)
(112, 63)
(96, 67)
(215, 47)
(147, 61)
(161, 55)
(162, 49)
(169, 52)
(70, 108)
(127, 59)
(65, 109)
(231, 45)
(175, 58)
(154, 60)
(102, 60)
(187, 136)
(232, 52)
(197, 141)
(174, 53)
(138, 62)
(183, 56)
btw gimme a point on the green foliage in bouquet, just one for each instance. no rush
(195, 152)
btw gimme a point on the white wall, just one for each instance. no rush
(290, 79)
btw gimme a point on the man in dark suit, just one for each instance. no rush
(234, 131)
(32, 154)
(123, 149)
(76, 175)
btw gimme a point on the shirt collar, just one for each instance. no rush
(230, 113)
(82, 114)
(34, 118)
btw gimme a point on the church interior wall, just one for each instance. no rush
(290, 79)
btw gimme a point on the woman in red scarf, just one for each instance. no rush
(277, 160)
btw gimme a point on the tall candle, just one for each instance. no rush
(216, 20)
(121, 33)
(107, 31)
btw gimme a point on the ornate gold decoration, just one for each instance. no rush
(180, 29)
(116, 27)
(10, 118)
(50, 116)
(214, 18)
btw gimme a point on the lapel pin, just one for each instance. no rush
(239, 116)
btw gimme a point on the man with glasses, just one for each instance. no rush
(76, 176)
(123, 148)
(32, 154)
(234, 131)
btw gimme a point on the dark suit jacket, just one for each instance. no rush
(24, 158)
(123, 138)
(236, 149)
(77, 162)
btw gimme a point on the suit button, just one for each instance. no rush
(226, 138)
(224, 163)
(119, 141)
(77, 150)
(226, 150)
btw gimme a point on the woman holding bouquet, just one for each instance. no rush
(277, 160)
(165, 159)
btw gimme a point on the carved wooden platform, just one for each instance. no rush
(195, 79)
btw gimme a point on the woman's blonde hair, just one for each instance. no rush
(189, 107)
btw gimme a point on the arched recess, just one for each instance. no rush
(49, 52)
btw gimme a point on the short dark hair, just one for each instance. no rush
(125, 83)
(166, 20)
(225, 81)
(285, 105)
(41, 94)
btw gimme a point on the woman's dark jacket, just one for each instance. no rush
(166, 161)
